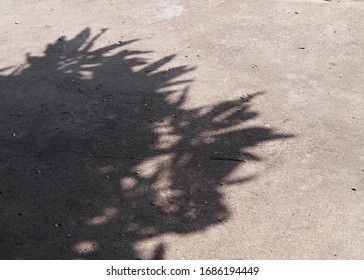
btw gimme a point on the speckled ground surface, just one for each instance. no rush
(181, 129)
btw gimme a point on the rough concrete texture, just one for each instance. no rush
(181, 129)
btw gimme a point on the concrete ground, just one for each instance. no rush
(181, 129)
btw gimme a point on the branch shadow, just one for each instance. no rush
(98, 152)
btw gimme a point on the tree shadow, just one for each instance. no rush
(99, 153)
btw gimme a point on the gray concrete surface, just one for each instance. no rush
(181, 129)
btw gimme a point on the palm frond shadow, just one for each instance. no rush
(99, 153)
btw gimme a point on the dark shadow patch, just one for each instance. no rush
(97, 155)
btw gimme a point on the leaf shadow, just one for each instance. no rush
(100, 153)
